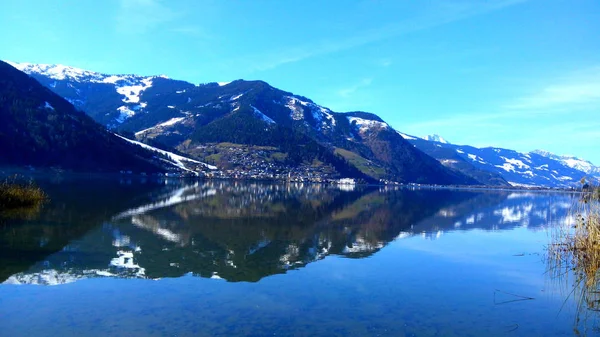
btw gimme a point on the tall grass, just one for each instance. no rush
(14, 194)
(574, 251)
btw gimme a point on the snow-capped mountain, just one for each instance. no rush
(572, 162)
(62, 72)
(536, 168)
(435, 138)
(117, 97)
(41, 129)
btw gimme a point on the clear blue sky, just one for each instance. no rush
(521, 74)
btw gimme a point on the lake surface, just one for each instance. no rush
(131, 258)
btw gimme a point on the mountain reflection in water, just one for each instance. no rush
(240, 231)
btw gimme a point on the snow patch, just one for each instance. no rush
(176, 160)
(515, 162)
(236, 97)
(475, 158)
(405, 136)
(48, 106)
(365, 125)
(124, 113)
(320, 114)
(297, 112)
(112, 79)
(132, 92)
(327, 114)
(262, 116)
(172, 121)
(506, 167)
(139, 106)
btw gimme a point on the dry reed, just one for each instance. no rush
(574, 251)
(14, 194)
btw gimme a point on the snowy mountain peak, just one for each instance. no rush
(544, 153)
(74, 80)
(571, 161)
(435, 138)
(62, 72)
(55, 71)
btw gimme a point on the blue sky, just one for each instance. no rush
(520, 74)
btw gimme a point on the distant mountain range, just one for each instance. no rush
(572, 162)
(536, 168)
(253, 126)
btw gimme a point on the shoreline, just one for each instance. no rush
(53, 174)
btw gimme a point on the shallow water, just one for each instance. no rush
(205, 259)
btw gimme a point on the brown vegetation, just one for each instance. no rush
(14, 195)
(575, 251)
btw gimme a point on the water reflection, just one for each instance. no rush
(240, 232)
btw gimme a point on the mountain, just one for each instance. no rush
(41, 129)
(572, 162)
(453, 159)
(536, 168)
(247, 125)
(108, 99)
(435, 138)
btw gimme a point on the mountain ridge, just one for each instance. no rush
(182, 115)
(186, 116)
(528, 169)
(39, 128)
(571, 161)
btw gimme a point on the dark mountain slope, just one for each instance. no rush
(40, 128)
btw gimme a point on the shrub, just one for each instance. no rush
(19, 195)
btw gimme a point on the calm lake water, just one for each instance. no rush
(126, 258)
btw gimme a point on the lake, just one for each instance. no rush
(148, 258)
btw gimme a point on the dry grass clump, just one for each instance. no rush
(15, 195)
(575, 251)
